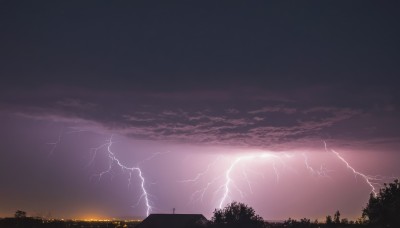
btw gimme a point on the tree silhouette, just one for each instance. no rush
(237, 215)
(328, 220)
(20, 214)
(336, 217)
(344, 221)
(383, 209)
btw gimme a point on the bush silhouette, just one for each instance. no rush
(20, 214)
(237, 215)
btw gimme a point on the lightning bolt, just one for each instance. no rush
(201, 192)
(55, 144)
(201, 174)
(229, 184)
(58, 141)
(321, 172)
(113, 160)
(229, 180)
(370, 180)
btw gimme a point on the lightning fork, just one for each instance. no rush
(55, 144)
(113, 160)
(228, 179)
(368, 179)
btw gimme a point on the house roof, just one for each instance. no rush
(173, 221)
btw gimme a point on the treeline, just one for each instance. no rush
(335, 221)
(239, 215)
(382, 210)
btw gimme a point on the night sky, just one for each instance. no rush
(290, 107)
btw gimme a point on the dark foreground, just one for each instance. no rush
(39, 223)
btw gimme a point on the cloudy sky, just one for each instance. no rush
(123, 109)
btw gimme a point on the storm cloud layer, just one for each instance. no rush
(246, 118)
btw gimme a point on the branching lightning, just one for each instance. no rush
(321, 172)
(228, 178)
(370, 180)
(201, 192)
(55, 144)
(113, 160)
(228, 181)
(201, 174)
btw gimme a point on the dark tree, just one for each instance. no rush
(20, 214)
(383, 210)
(328, 220)
(237, 215)
(336, 217)
(290, 222)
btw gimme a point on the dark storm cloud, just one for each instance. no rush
(254, 74)
(250, 120)
(169, 47)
